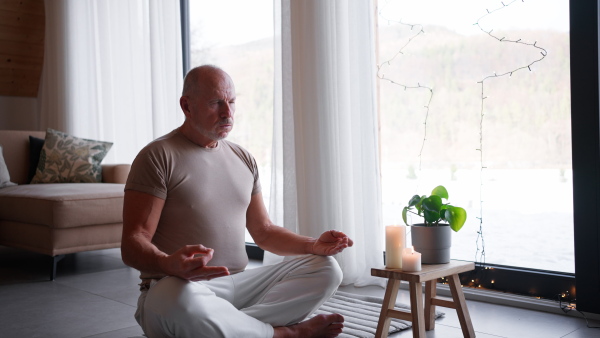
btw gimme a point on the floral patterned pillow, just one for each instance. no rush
(68, 159)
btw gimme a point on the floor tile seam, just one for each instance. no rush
(570, 333)
(107, 332)
(95, 294)
(114, 300)
(476, 331)
(99, 273)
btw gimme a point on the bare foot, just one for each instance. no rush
(319, 326)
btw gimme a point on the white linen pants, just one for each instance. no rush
(247, 304)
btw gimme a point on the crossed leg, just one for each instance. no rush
(269, 301)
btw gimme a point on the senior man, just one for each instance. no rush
(188, 198)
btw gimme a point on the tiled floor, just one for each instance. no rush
(95, 295)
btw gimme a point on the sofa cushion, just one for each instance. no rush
(4, 175)
(69, 159)
(63, 205)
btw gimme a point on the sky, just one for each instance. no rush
(233, 21)
(509, 14)
(240, 21)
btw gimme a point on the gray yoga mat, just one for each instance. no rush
(361, 314)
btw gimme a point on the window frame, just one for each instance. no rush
(585, 282)
(585, 122)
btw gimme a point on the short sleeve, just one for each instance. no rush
(256, 188)
(148, 174)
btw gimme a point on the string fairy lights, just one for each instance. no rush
(418, 31)
(480, 252)
(566, 304)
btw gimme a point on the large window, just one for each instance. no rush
(237, 35)
(522, 184)
(475, 96)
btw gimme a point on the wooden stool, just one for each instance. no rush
(423, 319)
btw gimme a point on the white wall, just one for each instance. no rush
(19, 113)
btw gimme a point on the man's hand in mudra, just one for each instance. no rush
(331, 242)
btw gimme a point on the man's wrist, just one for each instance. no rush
(161, 263)
(310, 246)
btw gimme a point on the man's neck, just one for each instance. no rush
(191, 136)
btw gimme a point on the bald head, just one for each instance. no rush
(202, 76)
(208, 102)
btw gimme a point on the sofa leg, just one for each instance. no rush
(55, 260)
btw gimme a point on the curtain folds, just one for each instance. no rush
(112, 71)
(325, 158)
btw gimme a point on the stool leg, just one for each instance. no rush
(461, 307)
(416, 309)
(430, 292)
(389, 301)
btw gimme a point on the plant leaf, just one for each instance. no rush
(431, 216)
(432, 203)
(414, 200)
(419, 206)
(440, 191)
(443, 210)
(456, 216)
(404, 211)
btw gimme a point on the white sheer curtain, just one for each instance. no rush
(325, 163)
(112, 71)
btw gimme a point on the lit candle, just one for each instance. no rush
(395, 236)
(411, 260)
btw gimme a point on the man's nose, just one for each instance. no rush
(226, 110)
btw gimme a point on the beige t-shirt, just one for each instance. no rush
(206, 191)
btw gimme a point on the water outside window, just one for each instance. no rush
(503, 149)
(238, 37)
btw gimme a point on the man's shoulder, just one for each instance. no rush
(233, 145)
(173, 136)
(237, 149)
(164, 142)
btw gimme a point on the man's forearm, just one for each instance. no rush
(139, 253)
(283, 242)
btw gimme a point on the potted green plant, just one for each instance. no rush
(433, 237)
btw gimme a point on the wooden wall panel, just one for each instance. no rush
(21, 46)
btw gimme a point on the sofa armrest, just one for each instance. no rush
(115, 173)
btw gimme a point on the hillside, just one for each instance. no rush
(526, 119)
(527, 116)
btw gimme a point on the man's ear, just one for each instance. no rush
(184, 104)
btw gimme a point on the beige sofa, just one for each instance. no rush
(58, 218)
